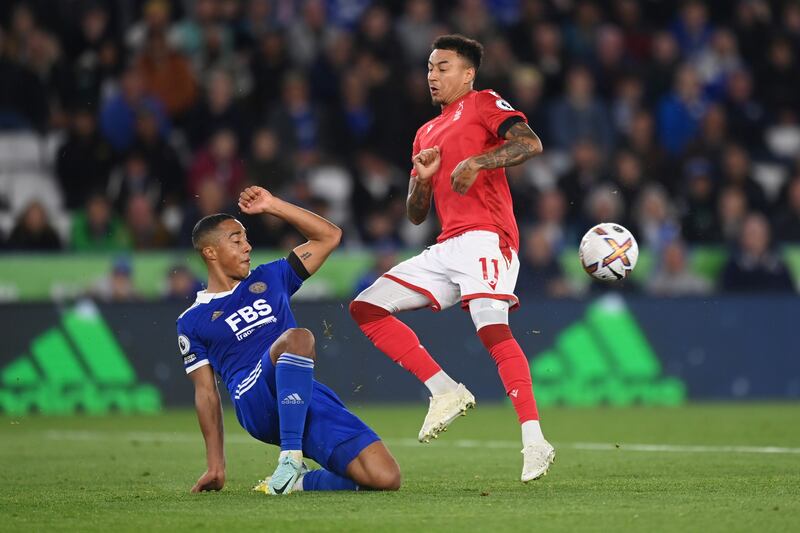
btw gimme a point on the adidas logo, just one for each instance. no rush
(77, 365)
(605, 358)
(292, 399)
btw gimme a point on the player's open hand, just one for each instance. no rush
(256, 200)
(427, 163)
(464, 175)
(210, 480)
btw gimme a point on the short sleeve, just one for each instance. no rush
(192, 350)
(496, 114)
(291, 281)
(414, 151)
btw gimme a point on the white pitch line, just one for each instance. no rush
(155, 436)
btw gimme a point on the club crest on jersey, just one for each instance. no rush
(258, 287)
(459, 111)
(183, 344)
(215, 315)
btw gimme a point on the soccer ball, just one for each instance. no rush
(608, 252)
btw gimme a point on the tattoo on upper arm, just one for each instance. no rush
(305, 255)
(522, 144)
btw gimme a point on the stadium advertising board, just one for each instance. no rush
(608, 351)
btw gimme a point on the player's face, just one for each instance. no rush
(450, 76)
(233, 250)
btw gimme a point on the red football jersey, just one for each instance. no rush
(469, 126)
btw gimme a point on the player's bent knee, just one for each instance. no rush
(297, 341)
(365, 312)
(386, 479)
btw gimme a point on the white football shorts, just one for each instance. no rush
(460, 269)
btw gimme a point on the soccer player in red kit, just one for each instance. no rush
(459, 159)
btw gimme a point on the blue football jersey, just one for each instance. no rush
(232, 330)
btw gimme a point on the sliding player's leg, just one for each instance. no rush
(293, 356)
(372, 310)
(490, 317)
(351, 454)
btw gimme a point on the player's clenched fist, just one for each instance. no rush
(427, 162)
(255, 200)
(464, 175)
(210, 480)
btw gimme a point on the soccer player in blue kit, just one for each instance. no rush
(241, 326)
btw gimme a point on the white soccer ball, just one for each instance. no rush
(608, 252)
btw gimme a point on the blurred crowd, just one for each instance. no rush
(680, 120)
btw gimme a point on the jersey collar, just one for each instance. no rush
(453, 105)
(204, 297)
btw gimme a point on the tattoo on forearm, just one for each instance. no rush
(305, 255)
(523, 145)
(419, 200)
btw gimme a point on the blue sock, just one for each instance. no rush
(323, 480)
(294, 377)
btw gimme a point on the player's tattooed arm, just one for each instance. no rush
(419, 200)
(521, 144)
(420, 186)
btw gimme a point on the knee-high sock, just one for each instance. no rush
(294, 377)
(394, 338)
(512, 365)
(324, 480)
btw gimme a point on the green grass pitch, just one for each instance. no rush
(121, 473)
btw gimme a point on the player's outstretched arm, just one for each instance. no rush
(323, 235)
(420, 186)
(521, 144)
(209, 414)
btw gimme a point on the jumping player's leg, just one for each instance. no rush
(372, 310)
(490, 317)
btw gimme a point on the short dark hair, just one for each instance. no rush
(469, 49)
(205, 226)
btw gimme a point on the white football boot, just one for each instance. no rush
(445, 408)
(537, 459)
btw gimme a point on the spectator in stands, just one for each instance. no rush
(692, 29)
(673, 277)
(218, 109)
(642, 141)
(550, 58)
(33, 232)
(746, 115)
(712, 138)
(167, 75)
(133, 177)
(655, 222)
(96, 54)
(587, 172)
(97, 228)
(269, 63)
(603, 204)
(376, 184)
(780, 77)
(681, 111)
(118, 115)
(660, 70)
(162, 159)
(736, 172)
(118, 286)
(267, 165)
(540, 273)
(182, 284)
(156, 18)
(219, 162)
(209, 198)
(579, 115)
(551, 219)
(787, 221)
(146, 230)
(733, 208)
(416, 29)
(23, 99)
(629, 178)
(699, 220)
(309, 32)
(84, 161)
(717, 61)
(297, 121)
(527, 91)
(755, 266)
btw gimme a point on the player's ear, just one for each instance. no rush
(469, 75)
(209, 253)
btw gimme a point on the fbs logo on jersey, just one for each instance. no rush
(292, 399)
(604, 358)
(75, 365)
(253, 316)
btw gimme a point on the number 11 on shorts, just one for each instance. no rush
(484, 266)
